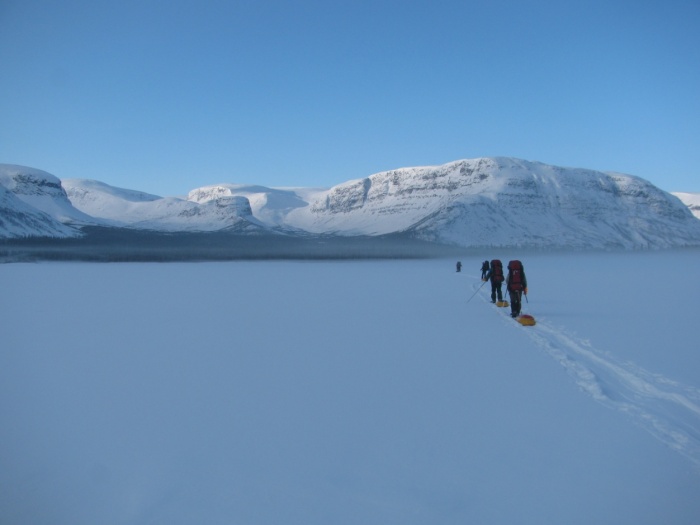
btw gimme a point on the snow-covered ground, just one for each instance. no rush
(350, 393)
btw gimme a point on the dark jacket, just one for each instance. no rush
(484, 269)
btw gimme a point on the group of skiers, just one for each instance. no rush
(516, 282)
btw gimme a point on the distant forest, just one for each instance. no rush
(125, 245)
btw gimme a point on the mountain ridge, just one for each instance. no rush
(490, 201)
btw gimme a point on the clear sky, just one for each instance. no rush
(166, 96)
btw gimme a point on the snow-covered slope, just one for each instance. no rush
(19, 219)
(33, 203)
(504, 202)
(475, 202)
(269, 205)
(691, 200)
(122, 207)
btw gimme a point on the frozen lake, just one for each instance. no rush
(350, 393)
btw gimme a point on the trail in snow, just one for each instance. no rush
(669, 410)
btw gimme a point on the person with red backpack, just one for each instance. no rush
(495, 275)
(516, 284)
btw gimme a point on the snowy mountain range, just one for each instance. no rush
(476, 202)
(127, 208)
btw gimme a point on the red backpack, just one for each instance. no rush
(515, 275)
(496, 271)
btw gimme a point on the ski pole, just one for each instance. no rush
(479, 288)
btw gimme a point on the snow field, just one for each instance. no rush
(349, 392)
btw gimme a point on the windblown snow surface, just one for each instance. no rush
(350, 393)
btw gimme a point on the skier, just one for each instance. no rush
(516, 284)
(495, 275)
(459, 266)
(484, 269)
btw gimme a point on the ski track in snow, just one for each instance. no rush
(669, 410)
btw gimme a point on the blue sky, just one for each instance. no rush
(167, 96)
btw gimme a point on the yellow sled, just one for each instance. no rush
(502, 304)
(526, 320)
